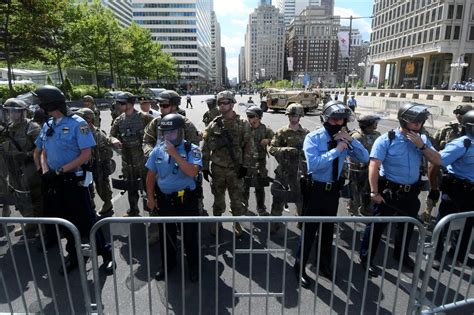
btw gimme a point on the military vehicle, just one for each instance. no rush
(280, 99)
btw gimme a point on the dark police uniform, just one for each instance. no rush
(176, 196)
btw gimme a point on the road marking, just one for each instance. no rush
(116, 197)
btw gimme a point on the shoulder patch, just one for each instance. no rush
(84, 129)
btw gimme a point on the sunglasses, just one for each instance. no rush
(225, 103)
(165, 105)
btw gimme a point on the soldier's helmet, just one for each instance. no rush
(87, 98)
(172, 129)
(226, 95)
(125, 97)
(366, 121)
(462, 109)
(15, 109)
(295, 109)
(15, 103)
(468, 123)
(169, 97)
(211, 102)
(145, 99)
(412, 112)
(50, 98)
(254, 111)
(86, 113)
(336, 110)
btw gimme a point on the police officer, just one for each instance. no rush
(146, 106)
(169, 104)
(17, 152)
(212, 112)
(358, 172)
(325, 150)
(287, 148)
(445, 134)
(458, 185)
(66, 142)
(262, 135)
(88, 102)
(127, 135)
(102, 165)
(352, 103)
(172, 169)
(394, 177)
(226, 156)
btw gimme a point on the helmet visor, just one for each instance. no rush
(174, 136)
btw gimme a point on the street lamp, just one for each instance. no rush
(353, 75)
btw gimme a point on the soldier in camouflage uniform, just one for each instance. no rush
(127, 135)
(212, 112)
(442, 136)
(101, 163)
(88, 102)
(287, 148)
(24, 183)
(169, 104)
(3, 169)
(360, 201)
(262, 135)
(226, 156)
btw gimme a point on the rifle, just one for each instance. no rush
(228, 142)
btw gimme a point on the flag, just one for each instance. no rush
(262, 71)
(343, 38)
(290, 63)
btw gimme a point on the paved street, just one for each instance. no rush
(134, 275)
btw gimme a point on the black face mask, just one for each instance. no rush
(332, 129)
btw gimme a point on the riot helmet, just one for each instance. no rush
(336, 110)
(254, 111)
(169, 97)
(462, 109)
(15, 110)
(125, 97)
(86, 113)
(468, 123)
(226, 95)
(411, 113)
(211, 102)
(88, 98)
(295, 109)
(171, 129)
(50, 98)
(367, 121)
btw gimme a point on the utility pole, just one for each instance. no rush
(110, 63)
(346, 72)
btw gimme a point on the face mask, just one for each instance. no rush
(332, 129)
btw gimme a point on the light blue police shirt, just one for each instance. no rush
(319, 159)
(71, 135)
(169, 177)
(457, 160)
(401, 159)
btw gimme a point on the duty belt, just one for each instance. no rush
(328, 186)
(400, 187)
(464, 184)
(178, 195)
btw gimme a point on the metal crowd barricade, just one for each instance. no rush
(254, 273)
(29, 277)
(451, 291)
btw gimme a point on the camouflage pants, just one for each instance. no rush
(133, 169)
(102, 185)
(255, 173)
(293, 182)
(225, 178)
(29, 204)
(360, 202)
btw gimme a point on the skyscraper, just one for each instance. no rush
(292, 8)
(216, 54)
(184, 30)
(122, 9)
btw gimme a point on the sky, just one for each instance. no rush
(233, 17)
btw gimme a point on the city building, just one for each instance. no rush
(312, 43)
(224, 73)
(293, 8)
(122, 9)
(183, 28)
(423, 44)
(216, 55)
(358, 55)
(264, 44)
(242, 65)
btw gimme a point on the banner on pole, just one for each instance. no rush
(343, 38)
(290, 63)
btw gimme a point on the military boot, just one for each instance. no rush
(132, 213)
(106, 207)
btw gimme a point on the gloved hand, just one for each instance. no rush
(206, 174)
(48, 177)
(242, 172)
(434, 195)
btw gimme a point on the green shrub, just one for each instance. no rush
(18, 89)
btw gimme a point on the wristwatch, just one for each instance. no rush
(59, 171)
(373, 194)
(423, 147)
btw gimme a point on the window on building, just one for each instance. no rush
(450, 11)
(471, 33)
(437, 33)
(433, 15)
(431, 34)
(457, 31)
(447, 34)
(459, 11)
(416, 21)
(440, 13)
(425, 36)
(419, 38)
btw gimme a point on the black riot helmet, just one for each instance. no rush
(171, 129)
(462, 109)
(125, 97)
(211, 102)
(468, 123)
(254, 111)
(337, 110)
(50, 98)
(367, 121)
(169, 97)
(412, 112)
